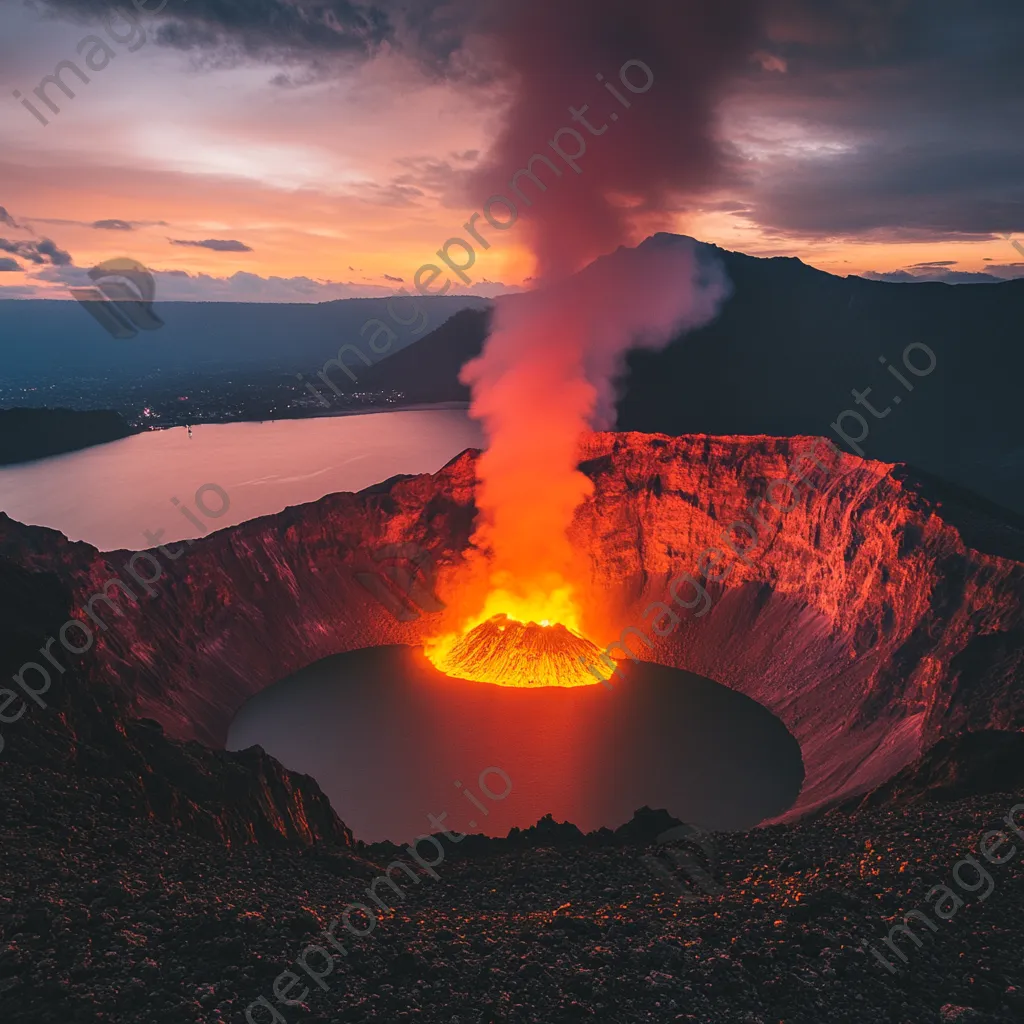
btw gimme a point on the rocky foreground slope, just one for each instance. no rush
(127, 920)
(873, 610)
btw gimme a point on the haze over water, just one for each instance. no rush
(110, 494)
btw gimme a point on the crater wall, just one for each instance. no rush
(881, 611)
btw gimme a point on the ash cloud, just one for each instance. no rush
(548, 369)
(663, 145)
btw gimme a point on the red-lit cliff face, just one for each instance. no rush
(86, 750)
(879, 614)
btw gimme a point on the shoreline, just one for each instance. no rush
(370, 410)
(139, 431)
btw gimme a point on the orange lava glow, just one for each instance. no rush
(546, 376)
(523, 635)
(531, 395)
(509, 652)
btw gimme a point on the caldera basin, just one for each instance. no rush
(391, 740)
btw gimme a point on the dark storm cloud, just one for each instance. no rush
(306, 32)
(112, 225)
(44, 251)
(216, 244)
(906, 110)
(919, 100)
(916, 102)
(929, 192)
(256, 27)
(6, 264)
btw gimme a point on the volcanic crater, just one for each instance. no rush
(880, 613)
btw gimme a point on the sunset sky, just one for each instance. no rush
(317, 149)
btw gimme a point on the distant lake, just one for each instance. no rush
(110, 494)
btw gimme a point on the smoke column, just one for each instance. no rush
(547, 371)
(662, 147)
(545, 376)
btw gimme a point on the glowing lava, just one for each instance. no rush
(508, 652)
(526, 633)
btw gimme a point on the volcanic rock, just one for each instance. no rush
(125, 764)
(969, 764)
(881, 612)
(129, 919)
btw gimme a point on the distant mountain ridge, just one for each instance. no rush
(789, 347)
(44, 338)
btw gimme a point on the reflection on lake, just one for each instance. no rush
(111, 494)
(388, 737)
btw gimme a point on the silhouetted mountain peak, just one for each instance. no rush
(790, 347)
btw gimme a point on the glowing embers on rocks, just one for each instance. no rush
(508, 652)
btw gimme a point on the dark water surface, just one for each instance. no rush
(388, 737)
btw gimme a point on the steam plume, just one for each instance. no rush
(545, 376)
(547, 371)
